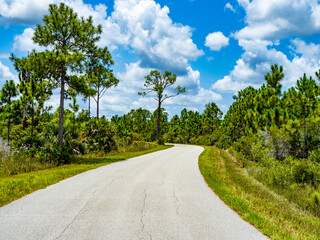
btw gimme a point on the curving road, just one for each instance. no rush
(156, 196)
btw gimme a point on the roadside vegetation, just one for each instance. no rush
(273, 214)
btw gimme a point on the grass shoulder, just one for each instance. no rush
(269, 212)
(19, 185)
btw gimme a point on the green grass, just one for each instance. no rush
(272, 214)
(17, 186)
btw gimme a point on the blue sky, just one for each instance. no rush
(215, 47)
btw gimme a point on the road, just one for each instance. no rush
(161, 195)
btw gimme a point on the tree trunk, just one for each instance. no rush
(98, 98)
(158, 120)
(32, 120)
(304, 135)
(8, 134)
(24, 117)
(98, 109)
(61, 110)
(89, 107)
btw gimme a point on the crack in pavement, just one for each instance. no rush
(177, 200)
(92, 195)
(143, 208)
(142, 214)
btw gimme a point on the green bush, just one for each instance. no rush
(305, 171)
(315, 198)
(57, 154)
(315, 156)
(100, 135)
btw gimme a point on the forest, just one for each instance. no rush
(274, 134)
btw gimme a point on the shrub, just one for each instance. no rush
(315, 198)
(315, 156)
(57, 154)
(305, 172)
(100, 135)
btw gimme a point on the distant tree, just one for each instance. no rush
(212, 115)
(273, 79)
(307, 88)
(8, 92)
(99, 73)
(302, 101)
(23, 68)
(158, 83)
(70, 40)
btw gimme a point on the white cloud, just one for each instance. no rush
(158, 41)
(243, 3)
(5, 74)
(30, 12)
(240, 77)
(276, 19)
(25, 43)
(141, 25)
(23, 11)
(267, 22)
(112, 35)
(215, 41)
(230, 7)
(307, 61)
(260, 55)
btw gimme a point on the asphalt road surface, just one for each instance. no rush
(161, 195)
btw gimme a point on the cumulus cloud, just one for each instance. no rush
(25, 43)
(142, 25)
(267, 22)
(260, 55)
(23, 12)
(158, 41)
(5, 74)
(276, 19)
(30, 12)
(215, 41)
(230, 7)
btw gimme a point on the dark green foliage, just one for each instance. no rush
(9, 106)
(99, 134)
(273, 79)
(192, 127)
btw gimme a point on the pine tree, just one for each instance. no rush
(70, 40)
(158, 83)
(8, 92)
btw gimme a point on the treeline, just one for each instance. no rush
(189, 127)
